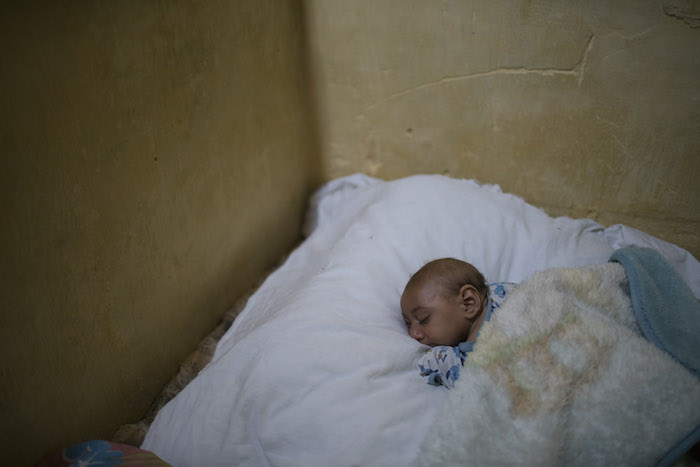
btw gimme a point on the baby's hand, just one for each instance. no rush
(440, 366)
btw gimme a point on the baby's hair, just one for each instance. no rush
(451, 275)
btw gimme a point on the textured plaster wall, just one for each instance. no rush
(587, 109)
(155, 157)
(155, 160)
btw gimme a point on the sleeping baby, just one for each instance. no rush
(444, 305)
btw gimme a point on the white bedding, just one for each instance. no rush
(318, 368)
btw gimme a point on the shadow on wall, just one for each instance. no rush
(156, 161)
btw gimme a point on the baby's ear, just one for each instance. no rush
(471, 300)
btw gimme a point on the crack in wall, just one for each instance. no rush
(632, 37)
(577, 71)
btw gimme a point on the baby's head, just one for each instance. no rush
(442, 302)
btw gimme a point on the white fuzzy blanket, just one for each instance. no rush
(561, 375)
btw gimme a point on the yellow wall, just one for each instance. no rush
(155, 160)
(156, 157)
(587, 109)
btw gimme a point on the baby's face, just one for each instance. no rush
(433, 319)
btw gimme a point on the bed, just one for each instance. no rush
(318, 369)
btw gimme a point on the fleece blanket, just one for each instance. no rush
(665, 308)
(562, 375)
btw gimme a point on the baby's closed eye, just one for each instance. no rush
(423, 317)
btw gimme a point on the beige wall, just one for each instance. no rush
(588, 109)
(155, 160)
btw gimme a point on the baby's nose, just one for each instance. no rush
(416, 333)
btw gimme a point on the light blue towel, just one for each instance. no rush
(669, 316)
(666, 309)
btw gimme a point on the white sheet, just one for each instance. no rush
(318, 369)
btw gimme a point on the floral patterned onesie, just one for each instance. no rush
(441, 364)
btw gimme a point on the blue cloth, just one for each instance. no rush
(668, 315)
(666, 309)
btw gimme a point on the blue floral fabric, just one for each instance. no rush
(90, 452)
(440, 366)
(100, 453)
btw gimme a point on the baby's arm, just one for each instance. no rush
(440, 366)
